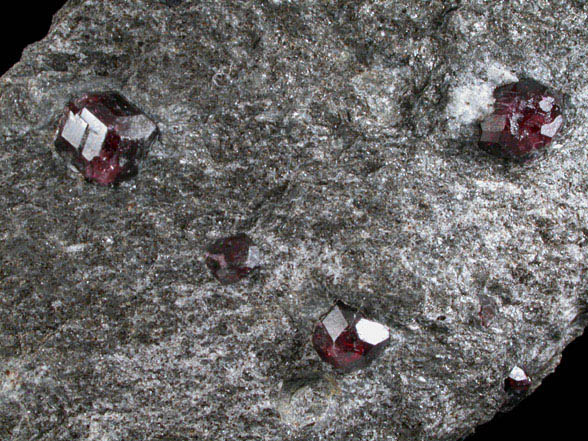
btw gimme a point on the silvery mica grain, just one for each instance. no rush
(341, 136)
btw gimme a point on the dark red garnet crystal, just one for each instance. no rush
(487, 310)
(347, 340)
(517, 381)
(102, 135)
(527, 115)
(232, 258)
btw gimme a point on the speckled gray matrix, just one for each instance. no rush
(341, 136)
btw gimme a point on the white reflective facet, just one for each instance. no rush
(253, 257)
(96, 135)
(551, 129)
(135, 127)
(335, 323)
(517, 374)
(546, 104)
(372, 332)
(74, 130)
(514, 123)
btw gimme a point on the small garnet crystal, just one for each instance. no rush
(232, 258)
(517, 381)
(527, 115)
(487, 310)
(102, 135)
(347, 340)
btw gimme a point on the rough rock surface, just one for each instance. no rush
(341, 136)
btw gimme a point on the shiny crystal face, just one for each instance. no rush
(347, 340)
(230, 259)
(517, 380)
(527, 115)
(102, 136)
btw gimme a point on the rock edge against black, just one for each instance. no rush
(342, 138)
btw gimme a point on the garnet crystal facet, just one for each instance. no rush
(527, 115)
(102, 136)
(347, 340)
(232, 258)
(517, 381)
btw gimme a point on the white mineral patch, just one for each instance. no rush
(514, 123)
(372, 332)
(335, 323)
(473, 99)
(470, 102)
(546, 104)
(76, 248)
(517, 374)
(499, 74)
(551, 129)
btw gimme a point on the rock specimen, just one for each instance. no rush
(343, 136)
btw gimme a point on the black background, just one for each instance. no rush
(556, 410)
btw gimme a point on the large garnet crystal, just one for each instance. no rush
(102, 135)
(527, 115)
(347, 340)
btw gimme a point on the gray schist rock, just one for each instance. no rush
(341, 136)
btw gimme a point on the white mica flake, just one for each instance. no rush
(371, 332)
(335, 323)
(551, 129)
(517, 374)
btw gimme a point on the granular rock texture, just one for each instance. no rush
(341, 136)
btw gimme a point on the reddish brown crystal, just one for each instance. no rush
(487, 310)
(102, 135)
(230, 259)
(527, 115)
(517, 381)
(347, 340)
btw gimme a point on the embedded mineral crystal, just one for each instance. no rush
(102, 135)
(230, 259)
(517, 381)
(526, 117)
(347, 340)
